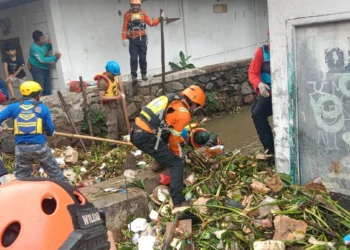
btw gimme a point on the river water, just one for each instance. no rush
(236, 131)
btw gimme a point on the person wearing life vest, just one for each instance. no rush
(134, 35)
(47, 214)
(161, 123)
(110, 98)
(260, 77)
(31, 120)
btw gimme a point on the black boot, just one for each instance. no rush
(144, 77)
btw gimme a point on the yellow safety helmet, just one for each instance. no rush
(29, 87)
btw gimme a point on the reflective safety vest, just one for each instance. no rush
(192, 138)
(136, 22)
(112, 87)
(154, 113)
(27, 122)
(265, 73)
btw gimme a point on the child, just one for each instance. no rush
(13, 68)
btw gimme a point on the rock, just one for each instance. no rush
(203, 79)
(264, 211)
(145, 91)
(236, 87)
(189, 82)
(200, 205)
(274, 182)
(4, 135)
(238, 100)
(218, 74)
(209, 86)
(289, 229)
(154, 90)
(168, 88)
(160, 92)
(177, 86)
(220, 83)
(132, 110)
(138, 98)
(259, 187)
(213, 79)
(269, 245)
(233, 80)
(147, 99)
(249, 99)
(242, 77)
(246, 88)
(8, 146)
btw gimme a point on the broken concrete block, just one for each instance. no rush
(265, 210)
(259, 187)
(289, 229)
(274, 182)
(71, 155)
(269, 245)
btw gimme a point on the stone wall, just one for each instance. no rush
(226, 84)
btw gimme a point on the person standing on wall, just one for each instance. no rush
(134, 35)
(31, 120)
(39, 61)
(161, 122)
(13, 65)
(260, 76)
(110, 96)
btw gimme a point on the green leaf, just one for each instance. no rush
(174, 66)
(345, 223)
(182, 57)
(190, 66)
(188, 58)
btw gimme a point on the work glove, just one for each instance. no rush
(162, 15)
(123, 95)
(264, 89)
(209, 144)
(126, 42)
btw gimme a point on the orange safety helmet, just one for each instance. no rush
(195, 94)
(46, 214)
(135, 2)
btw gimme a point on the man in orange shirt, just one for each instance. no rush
(134, 35)
(260, 76)
(161, 122)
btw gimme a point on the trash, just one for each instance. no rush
(71, 155)
(218, 234)
(146, 242)
(137, 153)
(138, 225)
(85, 163)
(200, 204)
(316, 183)
(190, 180)
(160, 194)
(130, 175)
(269, 245)
(112, 190)
(188, 196)
(83, 170)
(142, 164)
(233, 203)
(164, 179)
(103, 166)
(153, 215)
(259, 187)
(329, 245)
(289, 229)
(135, 238)
(60, 161)
(347, 240)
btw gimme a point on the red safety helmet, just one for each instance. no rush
(46, 214)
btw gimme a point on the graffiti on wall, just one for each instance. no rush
(329, 100)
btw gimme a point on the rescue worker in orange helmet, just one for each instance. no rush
(134, 36)
(161, 122)
(49, 214)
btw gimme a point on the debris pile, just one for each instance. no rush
(238, 202)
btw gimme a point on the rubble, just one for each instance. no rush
(242, 204)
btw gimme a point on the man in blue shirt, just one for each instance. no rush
(31, 119)
(39, 61)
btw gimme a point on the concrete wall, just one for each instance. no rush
(92, 31)
(306, 72)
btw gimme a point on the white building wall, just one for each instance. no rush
(93, 33)
(283, 14)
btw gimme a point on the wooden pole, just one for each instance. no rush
(162, 50)
(86, 137)
(70, 118)
(126, 115)
(86, 112)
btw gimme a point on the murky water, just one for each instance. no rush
(236, 131)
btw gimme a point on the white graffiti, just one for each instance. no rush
(343, 82)
(346, 137)
(328, 112)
